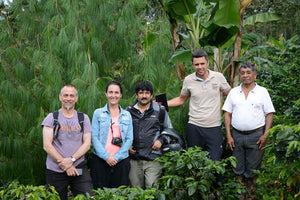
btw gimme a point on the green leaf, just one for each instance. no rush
(294, 145)
(261, 18)
(218, 36)
(149, 39)
(228, 14)
(224, 26)
(277, 68)
(192, 188)
(179, 8)
(181, 56)
(275, 43)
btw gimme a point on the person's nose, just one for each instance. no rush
(200, 66)
(243, 75)
(68, 98)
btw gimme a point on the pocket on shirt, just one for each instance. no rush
(215, 86)
(257, 108)
(124, 126)
(103, 122)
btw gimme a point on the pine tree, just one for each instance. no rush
(46, 44)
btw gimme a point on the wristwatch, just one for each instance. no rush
(73, 159)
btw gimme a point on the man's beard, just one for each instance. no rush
(68, 107)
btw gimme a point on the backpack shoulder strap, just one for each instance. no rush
(56, 125)
(161, 117)
(128, 108)
(80, 120)
(55, 116)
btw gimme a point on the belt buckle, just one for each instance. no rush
(249, 132)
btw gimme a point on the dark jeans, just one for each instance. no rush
(111, 177)
(246, 151)
(78, 184)
(209, 139)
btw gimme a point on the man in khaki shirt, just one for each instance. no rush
(204, 88)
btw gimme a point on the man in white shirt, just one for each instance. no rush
(249, 110)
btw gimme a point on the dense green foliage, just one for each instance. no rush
(15, 190)
(47, 43)
(279, 73)
(290, 17)
(190, 174)
(278, 70)
(280, 177)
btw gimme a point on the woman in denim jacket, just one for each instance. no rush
(112, 136)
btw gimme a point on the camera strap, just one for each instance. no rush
(111, 127)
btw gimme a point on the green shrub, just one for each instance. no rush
(15, 190)
(123, 193)
(190, 174)
(281, 174)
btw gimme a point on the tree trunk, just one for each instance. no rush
(234, 76)
(216, 59)
(175, 42)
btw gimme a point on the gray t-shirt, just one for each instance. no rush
(69, 135)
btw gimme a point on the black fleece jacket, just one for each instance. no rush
(146, 130)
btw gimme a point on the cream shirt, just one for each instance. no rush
(205, 98)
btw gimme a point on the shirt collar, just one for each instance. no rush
(253, 90)
(210, 76)
(137, 107)
(106, 109)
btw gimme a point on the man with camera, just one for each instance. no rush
(66, 139)
(148, 121)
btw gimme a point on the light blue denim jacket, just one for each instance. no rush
(100, 128)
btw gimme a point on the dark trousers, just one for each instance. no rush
(247, 153)
(209, 139)
(78, 184)
(111, 177)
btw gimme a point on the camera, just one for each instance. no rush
(117, 141)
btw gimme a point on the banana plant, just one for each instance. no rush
(213, 23)
(205, 23)
(252, 20)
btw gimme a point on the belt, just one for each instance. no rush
(250, 131)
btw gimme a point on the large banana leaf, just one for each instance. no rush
(180, 8)
(181, 56)
(224, 25)
(260, 18)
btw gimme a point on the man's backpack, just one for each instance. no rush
(174, 140)
(56, 124)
